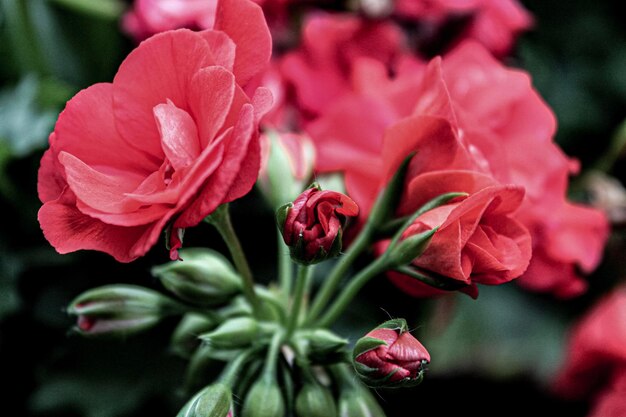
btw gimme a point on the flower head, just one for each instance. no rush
(312, 225)
(173, 137)
(390, 356)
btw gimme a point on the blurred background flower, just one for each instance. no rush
(510, 343)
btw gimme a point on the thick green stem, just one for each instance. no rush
(221, 220)
(333, 280)
(351, 290)
(234, 368)
(304, 275)
(284, 269)
(271, 360)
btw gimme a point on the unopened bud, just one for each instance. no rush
(185, 337)
(120, 310)
(233, 334)
(312, 225)
(213, 401)
(286, 166)
(389, 356)
(321, 345)
(264, 400)
(358, 402)
(315, 400)
(202, 277)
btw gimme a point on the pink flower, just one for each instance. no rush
(596, 349)
(172, 138)
(468, 112)
(478, 240)
(149, 17)
(494, 23)
(319, 70)
(312, 225)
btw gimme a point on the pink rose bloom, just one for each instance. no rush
(169, 140)
(502, 127)
(494, 23)
(320, 68)
(596, 351)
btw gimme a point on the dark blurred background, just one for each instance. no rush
(499, 351)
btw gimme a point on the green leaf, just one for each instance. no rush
(24, 126)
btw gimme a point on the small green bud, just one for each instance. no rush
(120, 310)
(202, 276)
(321, 345)
(185, 337)
(315, 400)
(286, 165)
(212, 401)
(233, 334)
(358, 402)
(264, 400)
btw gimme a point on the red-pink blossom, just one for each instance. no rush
(497, 125)
(169, 140)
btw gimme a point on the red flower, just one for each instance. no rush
(494, 23)
(172, 138)
(319, 70)
(478, 240)
(312, 227)
(469, 113)
(596, 349)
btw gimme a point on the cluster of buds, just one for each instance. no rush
(274, 358)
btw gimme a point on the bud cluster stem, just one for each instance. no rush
(339, 271)
(350, 291)
(284, 268)
(302, 279)
(220, 219)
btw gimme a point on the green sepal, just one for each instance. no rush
(388, 199)
(365, 344)
(315, 400)
(394, 324)
(184, 339)
(409, 249)
(281, 216)
(264, 400)
(438, 281)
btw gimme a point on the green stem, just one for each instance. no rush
(271, 361)
(234, 368)
(221, 220)
(284, 268)
(351, 290)
(330, 284)
(304, 275)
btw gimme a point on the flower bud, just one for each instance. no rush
(212, 401)
(313, 224)
(185, 337)
(358, 402)
(315, 400)
(202, 277)
(389, 356)
(120, 310)
(233, 333)
(321, 346)
(264, 400)
(286, 166)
